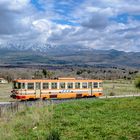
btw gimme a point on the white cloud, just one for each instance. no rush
(42, 25)
(15, 5)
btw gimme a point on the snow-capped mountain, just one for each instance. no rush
(20, 46)
(38, 52)
(39, 47)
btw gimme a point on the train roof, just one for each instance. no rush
(61, 79)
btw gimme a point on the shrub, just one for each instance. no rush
(54, 135)
(137, 83)
(112, 94)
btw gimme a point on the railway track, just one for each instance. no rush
(120, 96)
(47, 102)
(57, 101)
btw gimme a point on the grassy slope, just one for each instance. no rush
(110, 119)
(120, 87)
(5, 91)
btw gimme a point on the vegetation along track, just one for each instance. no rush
(47, 102)
(57, 101)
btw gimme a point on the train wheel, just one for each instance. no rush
(44, 98)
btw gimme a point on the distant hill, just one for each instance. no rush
(71, 55)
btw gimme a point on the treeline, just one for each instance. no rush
(108, 73)
(71, 71)
(11, 74)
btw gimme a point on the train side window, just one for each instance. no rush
(30, 85)
(100, 84)
(23, 85)
(95, 85)
(84, 85)
(70, 85)
(53, 85)
(16, 85)
(62, 85)
(90, 85)
(77, 85)
(45, 85)
(38, 85)
(19, 85)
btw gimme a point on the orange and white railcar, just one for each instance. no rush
(61, 88)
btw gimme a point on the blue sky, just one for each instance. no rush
(38, 5)
(99, 24)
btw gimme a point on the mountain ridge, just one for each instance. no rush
(67, 55)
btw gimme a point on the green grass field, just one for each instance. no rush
(94, 119)
(5, 91)
(120, 87)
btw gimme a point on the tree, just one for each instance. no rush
(48, 74)
(44, 71)
(137, 82)
(38, 75)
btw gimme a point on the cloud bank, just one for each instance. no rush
(99, 24)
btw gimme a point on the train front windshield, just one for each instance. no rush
(16, 85)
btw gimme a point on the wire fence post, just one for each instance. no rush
(11, 106)
(0, 112)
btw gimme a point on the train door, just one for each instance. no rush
(90, 88)
(38, 90)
